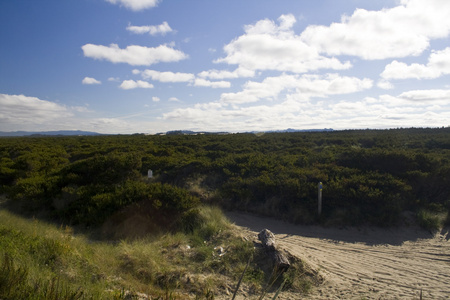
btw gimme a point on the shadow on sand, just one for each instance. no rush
(367, 235)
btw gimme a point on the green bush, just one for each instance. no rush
(190, 221)
(102, 169)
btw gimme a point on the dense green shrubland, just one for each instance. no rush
(369, 176)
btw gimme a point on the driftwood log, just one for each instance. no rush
(279, 260)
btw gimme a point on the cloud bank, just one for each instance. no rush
(133, 55)
(437, 66)
(131, 84)
(404, 30)
(270, 46)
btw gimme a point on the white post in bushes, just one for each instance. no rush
(150, 173)
(320, 198)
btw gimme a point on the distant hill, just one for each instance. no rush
(190, 132)
(302, 130)
(47, 133)
(173, 132)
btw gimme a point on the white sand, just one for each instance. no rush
(367, 263)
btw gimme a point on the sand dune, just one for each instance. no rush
(365, 263)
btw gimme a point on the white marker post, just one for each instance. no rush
(320, 198)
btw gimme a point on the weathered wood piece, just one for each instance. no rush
(267, 238)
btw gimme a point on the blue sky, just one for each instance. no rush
(148, 66)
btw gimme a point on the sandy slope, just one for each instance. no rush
(365, 263)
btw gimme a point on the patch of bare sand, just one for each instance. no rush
(364, 263)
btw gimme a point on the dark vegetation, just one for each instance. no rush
(369, 176)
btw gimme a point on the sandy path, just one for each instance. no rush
(366, 263)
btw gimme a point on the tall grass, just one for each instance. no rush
(37, 255)
(204, 259)
(15, 284)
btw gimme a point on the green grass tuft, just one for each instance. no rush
(16, 284)
(431, 221)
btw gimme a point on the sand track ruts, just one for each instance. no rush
(367, 263)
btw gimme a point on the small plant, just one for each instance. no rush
(57, 290)
(429, 220)
(190, 221)
(274, 277)
(300, 277)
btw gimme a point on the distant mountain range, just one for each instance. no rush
(301, 130)
(173, 132)
(190, 132)
(47, 133)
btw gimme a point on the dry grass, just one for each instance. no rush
(200, 264)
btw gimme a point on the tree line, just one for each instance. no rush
(368, 176)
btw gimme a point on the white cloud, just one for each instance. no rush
(396, 32)
(131, 84)
(286, 22)
(80, 109)
(332, 84)
(155, 99)
(224, 74)
(301, 87)
(174, 99)
(268, 46)
(25, 111)
(133, 55)
(254, 91)
(383, 112)
(165, 76)
(213, 84)
(438, 65)
(162, 29)
(260, 117)
(90, 80)
(442, 96)
(19, 112)
(385, 85)
(180, 77)
(290, 104)
(135, 5)
(114, 79)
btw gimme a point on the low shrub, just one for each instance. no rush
(429, 220)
